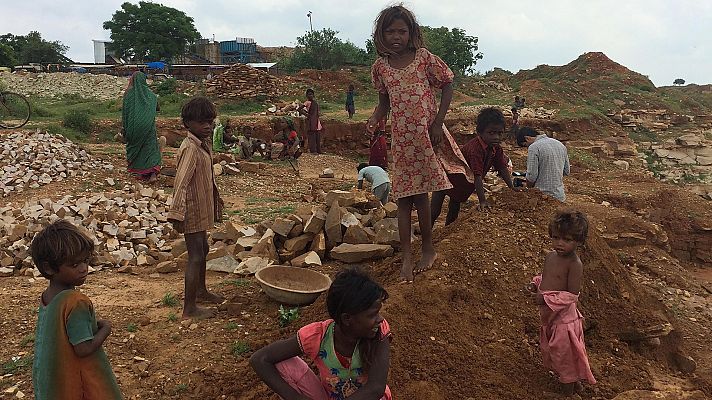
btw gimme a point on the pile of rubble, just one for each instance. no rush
(59, 84)
(534, 113)
(128, 226)
(241, 82)
(352, 228)
(686, 159)
(36, 159)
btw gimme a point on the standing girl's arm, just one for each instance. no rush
(436, 129)
(264, 359)
(377, 374)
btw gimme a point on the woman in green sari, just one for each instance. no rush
(139, 122)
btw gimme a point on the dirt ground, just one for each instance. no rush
(463, 330)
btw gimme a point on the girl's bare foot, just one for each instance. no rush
(406, 274)
(426, 262)
(205, 296)
(197, 313)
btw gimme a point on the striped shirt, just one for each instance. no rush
(194, 190)
(547, 163)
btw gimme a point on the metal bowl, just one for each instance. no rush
(292, 285)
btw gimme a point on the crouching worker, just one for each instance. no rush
(287, 136)
(351, 350)
(69, 362)
(378, 178)
(482, 154)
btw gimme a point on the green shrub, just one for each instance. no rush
(164, 88)
(79, 120)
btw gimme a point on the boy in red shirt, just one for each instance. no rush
(482, 154)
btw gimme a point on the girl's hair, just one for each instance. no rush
(353, 292)
(489, 116)
(198, 109)
(386, 18)
(569, 224)
(57, 244)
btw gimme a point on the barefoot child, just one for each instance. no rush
(406, 76)
(557, 291)
(351, 350)
(311, 110)
(378, 155)
(350, 104)
(69, 361)
(196, 201)
(482, 154)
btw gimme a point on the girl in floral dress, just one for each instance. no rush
(351, 350)
(407, 76)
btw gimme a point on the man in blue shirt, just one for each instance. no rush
(378, 177)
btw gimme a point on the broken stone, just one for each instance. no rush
(332, 226)
(6, 272)
(231, 170)
(217, 169)
(247, 242)
(226, 263)
(282, 226)
(327, 173)
(252, 265)
(319, 245)
(315, 222)
(343, 198)
(391, 210)
(298, 243)
(357, 234)
(167, 267)
(309, 259)
(354, 253)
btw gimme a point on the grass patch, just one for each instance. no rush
(26, 340)
(169, 300)
(172, 317)
(237, 282)
(240, 348)
(78, 120)
(287, 315)
(240, 107)
(231, 326)
(16, 364)
(71, 134)
(586, 159)
(642, 134)
(181, 388)
(653, 163)
(132, 327)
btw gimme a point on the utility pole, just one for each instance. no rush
(311, 28)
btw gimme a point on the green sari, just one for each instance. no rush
(139, 120)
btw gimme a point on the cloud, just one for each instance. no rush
(662, 39)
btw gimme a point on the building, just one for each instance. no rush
(102, 55)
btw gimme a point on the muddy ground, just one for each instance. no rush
(464, 330)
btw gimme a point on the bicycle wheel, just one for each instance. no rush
(14, 110)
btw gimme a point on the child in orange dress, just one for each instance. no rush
(556, 292)
(407, 76)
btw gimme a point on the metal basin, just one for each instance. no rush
(292, 285)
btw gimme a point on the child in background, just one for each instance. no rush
(482, 154)
(351, 350)
(378, 154)
(69, 361)
(286, 134)
(311, 110)
(556, 292)
(350, 105)
(378, 178)
(196, 201)
(407, 76)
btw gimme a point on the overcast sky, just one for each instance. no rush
(664, 39)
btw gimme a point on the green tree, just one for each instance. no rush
(324, 50)
(454, 46)
(150, 32)
(679, 81)
(7, 56)
(31, 48)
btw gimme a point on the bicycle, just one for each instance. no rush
(14, 110)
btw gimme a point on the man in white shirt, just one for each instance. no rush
(547, 162)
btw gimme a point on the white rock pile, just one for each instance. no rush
(30, 160)
(59, 84)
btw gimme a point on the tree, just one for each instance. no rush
(7, 56)
(150, 32)
(31, 48)
(455, 47)
(679, 81)
(324, 50)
